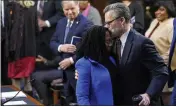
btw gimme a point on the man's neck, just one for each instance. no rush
(126, 29)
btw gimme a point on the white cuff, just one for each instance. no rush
(71, 60)
(59, 48)
(47, 23)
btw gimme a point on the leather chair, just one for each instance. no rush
(56, 87)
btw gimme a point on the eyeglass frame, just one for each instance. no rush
(109, 22)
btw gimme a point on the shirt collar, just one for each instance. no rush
(68, 20)
(123, 38)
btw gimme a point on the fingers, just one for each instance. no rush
(71, 49)
(38, 60)
(39, 56)
(65, 64)
(42, 58)
(145, 101)
(68, 48)
(76, 74)
(141, 103)
(62, 65)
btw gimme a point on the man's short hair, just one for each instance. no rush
(119, 10)
(76, 1)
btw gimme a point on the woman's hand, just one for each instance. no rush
(41, 59)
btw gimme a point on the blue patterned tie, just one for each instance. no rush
(67, 30)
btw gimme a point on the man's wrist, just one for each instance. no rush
(148, 95)
(71, 60)
(59, 48)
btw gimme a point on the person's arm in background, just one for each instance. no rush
(94, 16)
(54, 42)
(139, 18)
(83, 83)
(59, 13)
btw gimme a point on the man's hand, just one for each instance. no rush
(68, 48)
(41, 59)
(76, 74)
(41, 23)
(145, 100)
(64, 64)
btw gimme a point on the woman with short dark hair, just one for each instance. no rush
(161, 29)
(97, 69)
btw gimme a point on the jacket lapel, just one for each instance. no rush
(127, 48)
(62, 30)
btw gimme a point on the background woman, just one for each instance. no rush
(161, 31)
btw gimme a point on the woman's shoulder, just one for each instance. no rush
(169, 24)
(83, 60)
(170, 21)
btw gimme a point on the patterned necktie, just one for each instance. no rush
(67, 30)
(117, 49)
(40, 8)
(119, 44)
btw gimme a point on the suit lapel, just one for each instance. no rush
(127, 48)
(62, 30)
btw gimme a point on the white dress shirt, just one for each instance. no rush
(59, 47)
(123, 39)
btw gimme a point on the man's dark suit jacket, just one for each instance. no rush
(52, 11)
(142, 70)
(79, 26)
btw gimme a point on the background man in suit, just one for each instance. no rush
(142, 70)
(63, 42)
(49, 12)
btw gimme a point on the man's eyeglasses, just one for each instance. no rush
(109, 22)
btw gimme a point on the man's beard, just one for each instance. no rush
(116, 33)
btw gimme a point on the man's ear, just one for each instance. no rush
(123, 20)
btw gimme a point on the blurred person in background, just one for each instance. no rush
(21, 42)
(90, 12)
(161, 30)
